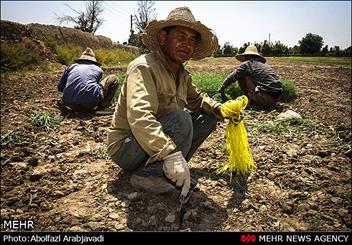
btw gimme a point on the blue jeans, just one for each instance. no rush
(187, 130)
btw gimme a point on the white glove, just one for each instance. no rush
(176, 169)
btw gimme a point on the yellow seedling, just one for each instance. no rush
(240, 157)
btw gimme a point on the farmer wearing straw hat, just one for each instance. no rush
(258, 81)
(152, 135)
(81, 88)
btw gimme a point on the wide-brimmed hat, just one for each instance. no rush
(250, 50)
(88, 55)
(183, 16)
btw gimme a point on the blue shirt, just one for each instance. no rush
(80, 84)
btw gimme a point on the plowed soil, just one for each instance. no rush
(63, 179)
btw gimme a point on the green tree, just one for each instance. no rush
(325, 50)
(348, 51)
(335, 51)
(133, 39)
(337, 48)
(294, 50)
(243, 47)
(279, 49)
(227, 50)
(267, 49)
(311, 44)
(218, 52)
(259, 47)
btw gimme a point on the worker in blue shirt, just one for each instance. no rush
(81, 86)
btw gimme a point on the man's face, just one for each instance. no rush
(178, 45)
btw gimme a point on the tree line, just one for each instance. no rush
(310, 45)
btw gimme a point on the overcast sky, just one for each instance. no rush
(236, 22)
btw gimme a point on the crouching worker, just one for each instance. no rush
(257, 80)
(152, 135)
(82, 89)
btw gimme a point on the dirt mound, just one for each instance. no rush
(14, 32)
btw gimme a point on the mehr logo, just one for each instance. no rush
(248, 238)
(17, 224)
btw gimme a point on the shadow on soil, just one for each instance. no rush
(150, 212)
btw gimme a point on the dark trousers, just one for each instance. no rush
(260, 98)
(108, 87)
(187, 130)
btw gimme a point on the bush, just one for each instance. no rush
(16, 56)
(209, 83)
(9, 138)
(107, 57)
(289, 90)
(288, 125)
(234, 91)
(114, 57)
(36, 55)
(67, 54)
(43, 120)
(121, 76)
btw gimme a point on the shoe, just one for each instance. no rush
(105, 111)
(154, 184)
(60, 103)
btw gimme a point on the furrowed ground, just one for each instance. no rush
(63, 179)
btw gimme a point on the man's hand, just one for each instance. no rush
(221, 90)
(217, 111)
(236, 120)
(176, 169)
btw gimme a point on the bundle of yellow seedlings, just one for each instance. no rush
(240, 157)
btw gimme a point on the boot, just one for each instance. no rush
(151, 179)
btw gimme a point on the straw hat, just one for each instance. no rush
(250, 50)
(89, 55)
(183, 16)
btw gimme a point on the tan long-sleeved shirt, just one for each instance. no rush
(149, 92)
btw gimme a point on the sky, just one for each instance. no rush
(236, 22)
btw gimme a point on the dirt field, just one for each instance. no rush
(64, 181)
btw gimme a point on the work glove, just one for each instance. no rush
(176, 169)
